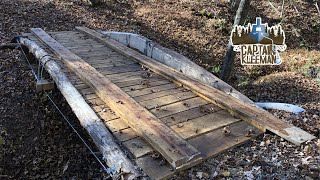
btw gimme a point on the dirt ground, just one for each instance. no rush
(36, 143)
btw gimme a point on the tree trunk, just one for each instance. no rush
(234, 5)
(228, 62)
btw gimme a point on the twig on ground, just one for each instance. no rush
(295, 8)
(274, 8)
(282, 8)
(316, 4)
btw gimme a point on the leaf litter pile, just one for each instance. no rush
(36, 143)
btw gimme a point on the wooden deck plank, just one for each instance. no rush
(129, 76)
(107, 116)
(196, 127)
(190, 114)
(97, 54)
(157, 170)
(82, 46)
(116, 125)
(165, 100)
(78, 42)
(158, 94)
(104, 49)
(90, 96)
(72, 45)
(155, 167)
(253, 115)
(75, 81)
(222, 141)
(103, 64)
(133, 77)
(97, 50)
(70, 37)
(96, 102)
(80, 86)
(179, 107)
(191, 128)
(125, 134)
(134, 93)
(143, 84)
(130, 85)
(151, 90)
(119, 69)
(74, 77)
(87, 91)
(85, 46)
(63, 33)
(104, 112)
(138, 147)
(75, 40)
(125, 76)
(175, 149)
(104, 58)
(121, 77)
(134, 82)
(110, 60)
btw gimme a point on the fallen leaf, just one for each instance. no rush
(199, 175)
(226, 173)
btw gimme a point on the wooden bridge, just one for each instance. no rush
(166, 120)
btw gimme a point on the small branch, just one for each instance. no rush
(282, 8)
(316, 4)
(274, 8)
(295, 8)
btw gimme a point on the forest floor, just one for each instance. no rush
(35, 142)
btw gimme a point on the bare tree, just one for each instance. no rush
(228, 62)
